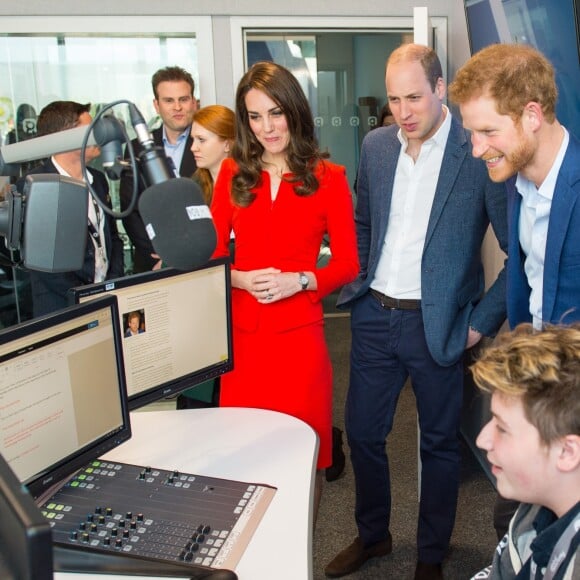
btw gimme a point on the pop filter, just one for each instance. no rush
(178, 223)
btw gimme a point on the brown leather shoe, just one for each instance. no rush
(355, 555)
(425, 571)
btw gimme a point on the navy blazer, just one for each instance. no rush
(50, 290)
(133, 223)
(452, 276)
(561, 287)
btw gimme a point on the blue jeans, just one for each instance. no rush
(387, 347)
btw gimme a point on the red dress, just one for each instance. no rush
(281, 361)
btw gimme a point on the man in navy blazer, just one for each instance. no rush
(424, 205)
(175, 103)
(514, 129)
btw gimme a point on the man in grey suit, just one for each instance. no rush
(423, 207)
(175, 103)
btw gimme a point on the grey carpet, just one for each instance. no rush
(473, 539)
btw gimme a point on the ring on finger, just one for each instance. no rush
(269, 296)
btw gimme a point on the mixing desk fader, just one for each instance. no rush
(112, 507)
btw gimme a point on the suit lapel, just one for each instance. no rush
(561, 211)
(455, 152)
(188, 165)
(388, 160)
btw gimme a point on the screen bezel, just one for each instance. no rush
(180, 384)
(52, 475)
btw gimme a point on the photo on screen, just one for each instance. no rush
(181, 332)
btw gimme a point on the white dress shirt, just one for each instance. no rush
(533, 228)
(399, 269)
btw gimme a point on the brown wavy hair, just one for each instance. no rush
(303, 153)
(219, 120)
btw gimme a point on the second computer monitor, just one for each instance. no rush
(177, 328)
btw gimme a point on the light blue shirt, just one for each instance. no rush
(175, 151)
(533, 228)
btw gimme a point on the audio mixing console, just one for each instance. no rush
(114, 508)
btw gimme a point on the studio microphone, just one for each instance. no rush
(109, 133)
(177, 219)
(155, 164)
(178, 223)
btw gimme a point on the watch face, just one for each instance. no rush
(304, 281)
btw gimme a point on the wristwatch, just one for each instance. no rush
(303, 280)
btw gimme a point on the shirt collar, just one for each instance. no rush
(63, 171)
(440, 136)
(546, 189)
(182, 137)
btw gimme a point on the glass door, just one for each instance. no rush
(340, 64)
(94, 60)
(342, 74)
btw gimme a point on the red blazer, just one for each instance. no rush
(287, 234)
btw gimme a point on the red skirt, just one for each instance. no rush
(289, 372)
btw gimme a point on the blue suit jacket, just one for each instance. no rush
(452, 277)
(561, 288)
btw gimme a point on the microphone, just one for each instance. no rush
(177, 220)
(110, 135)
(178, 223)
(154, 163)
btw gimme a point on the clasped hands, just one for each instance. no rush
(268, 284)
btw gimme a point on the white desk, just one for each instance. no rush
(246, 445)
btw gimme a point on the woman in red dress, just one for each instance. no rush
(280, 196)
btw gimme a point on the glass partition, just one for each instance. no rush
(96, 60)
(37, 70)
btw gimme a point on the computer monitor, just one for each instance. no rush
(181, 334)
(63, 399)
(25, 535)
